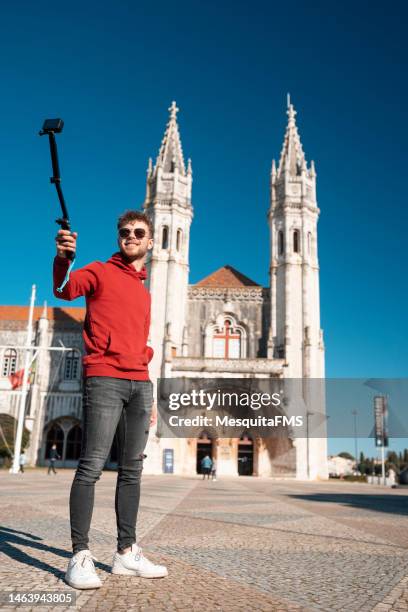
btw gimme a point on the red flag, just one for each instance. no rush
(16, 379)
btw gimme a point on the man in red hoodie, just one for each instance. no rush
(117, 394)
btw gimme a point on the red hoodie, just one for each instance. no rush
(117, 319)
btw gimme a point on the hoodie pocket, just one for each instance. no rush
(125, 354)
(96, 338)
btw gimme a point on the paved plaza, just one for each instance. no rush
(234, 544)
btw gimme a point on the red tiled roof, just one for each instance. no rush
(20, 313)
(226, 276)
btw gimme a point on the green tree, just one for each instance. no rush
(393, 459)
(361, 465)
(8, 427)
(346, 455)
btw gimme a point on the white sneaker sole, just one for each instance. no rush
(82, 587)
(119, 570)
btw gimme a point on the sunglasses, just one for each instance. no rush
(138, 232)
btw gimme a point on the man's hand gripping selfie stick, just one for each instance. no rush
(50, 128)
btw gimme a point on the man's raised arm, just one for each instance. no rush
(86, 281)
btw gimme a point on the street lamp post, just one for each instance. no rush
(308, 414)
(354, 413)
(21, 413)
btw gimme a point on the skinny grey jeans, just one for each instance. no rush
(111, 405)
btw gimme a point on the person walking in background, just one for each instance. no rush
(214, 470)
(53, 458)
(22, 462)
(206, 464)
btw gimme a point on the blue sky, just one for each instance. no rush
(110, 70)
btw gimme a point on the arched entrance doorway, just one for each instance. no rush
(204, 447)
(245, 455)
(66, 434)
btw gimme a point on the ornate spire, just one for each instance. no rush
(292, 158)
(273, 169)
(171, 152)
(312, 172)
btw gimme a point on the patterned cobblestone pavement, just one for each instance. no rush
(233, 544)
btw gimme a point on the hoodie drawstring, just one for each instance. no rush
(66, 279)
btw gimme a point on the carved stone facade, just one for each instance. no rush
(54, 405)
(228, 326)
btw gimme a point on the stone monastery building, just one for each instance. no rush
(225, 326)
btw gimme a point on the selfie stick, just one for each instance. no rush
(50, 128)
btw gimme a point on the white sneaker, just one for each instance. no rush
(81, 572)
(134, 563)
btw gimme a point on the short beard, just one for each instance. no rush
(131, 258)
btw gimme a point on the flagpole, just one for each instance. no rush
(23, 397)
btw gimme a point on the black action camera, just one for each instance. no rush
(52, 125)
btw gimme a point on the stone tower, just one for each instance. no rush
(295, 333)
(168, 204)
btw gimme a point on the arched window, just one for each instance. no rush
(54, 436)
(226, 342)
(74, 443)
(72, 366)
(165, 237)
(9, 362)
(296, 241)
(179, 237)
(281, 245)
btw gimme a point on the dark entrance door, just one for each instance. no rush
(245, 456)
(74, 438)
(204, 447)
